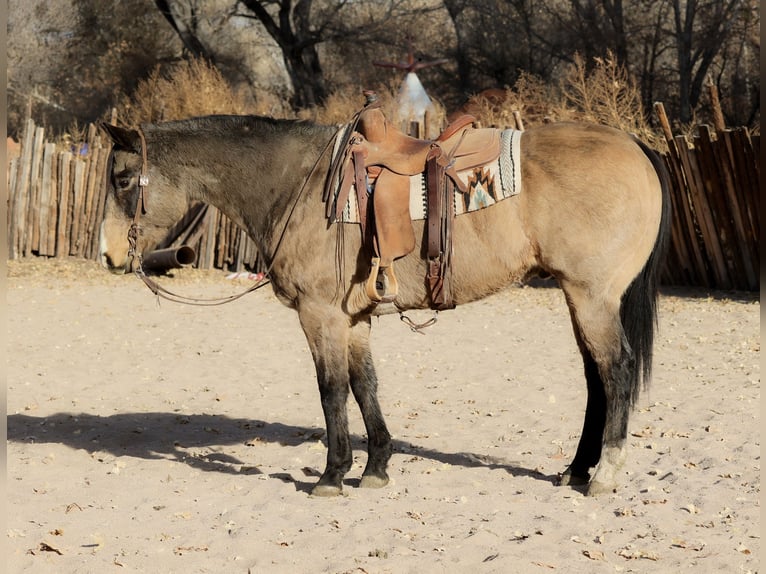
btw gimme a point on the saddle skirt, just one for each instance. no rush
(486, 185)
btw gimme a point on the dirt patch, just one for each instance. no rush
(157, 437)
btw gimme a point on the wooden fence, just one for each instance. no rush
(716, 216)
(56, 203)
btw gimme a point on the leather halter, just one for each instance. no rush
(143, 182)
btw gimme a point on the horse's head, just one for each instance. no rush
(161, 208)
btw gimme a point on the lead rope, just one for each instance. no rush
(418, 327)
(134, 232)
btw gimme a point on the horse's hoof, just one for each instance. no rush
(372, 481)
(605, 479)
(326, 490)
(596, 488)
(567, 478)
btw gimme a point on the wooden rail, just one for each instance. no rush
(56, 204)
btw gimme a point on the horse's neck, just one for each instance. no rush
(257, 186)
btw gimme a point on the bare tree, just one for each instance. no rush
(601, 26)
(701, 28)
(301, 27)
(307, 34)
(498, 40)
(297, 36)
(738, 78)
(67, 60)
(186, 26)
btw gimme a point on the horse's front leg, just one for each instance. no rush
(327, 332)
(364, 385)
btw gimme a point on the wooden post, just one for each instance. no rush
(45, 212)
(715, 103)
(221, 237)
(87, 207)
(731, 181)
(78, 191)
(192, 226)
(64, 192)
(663, 117)
(704, 216)
(31, 239)
(208, 239)
(103, 186)
(713, 177)
(54, 201)
(98, 197)
(21, 195)
(13, 171)
(519, 125)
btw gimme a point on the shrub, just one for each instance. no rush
(191, 88)
(606, 94)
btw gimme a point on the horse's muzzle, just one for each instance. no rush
(108, 263)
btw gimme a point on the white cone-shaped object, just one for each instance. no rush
(414, 102)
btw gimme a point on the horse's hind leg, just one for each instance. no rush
(589, 448)
(609, 369)
(364, 385)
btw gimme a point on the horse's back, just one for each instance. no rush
(592, 201)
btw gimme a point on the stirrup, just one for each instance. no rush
(382, 286)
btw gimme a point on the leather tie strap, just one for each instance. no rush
(441, 211)
(143, 179)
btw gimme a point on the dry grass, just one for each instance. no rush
(192, 88)
(530, 97)
(338, 107)
(606, 94)
(341, 106)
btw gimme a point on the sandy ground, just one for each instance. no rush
(168, 438)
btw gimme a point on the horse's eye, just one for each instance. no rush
(123, 182)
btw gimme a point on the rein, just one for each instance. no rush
(135, 229)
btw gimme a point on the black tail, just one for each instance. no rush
(638, 309)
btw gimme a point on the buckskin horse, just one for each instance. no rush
(593, 213)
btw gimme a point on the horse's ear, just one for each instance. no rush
(123, 138)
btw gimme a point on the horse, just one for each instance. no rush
(593, 213)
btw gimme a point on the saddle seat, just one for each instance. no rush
(386, 146)
(382, 158)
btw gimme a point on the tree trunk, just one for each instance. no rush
(293, 33)
(455, 9)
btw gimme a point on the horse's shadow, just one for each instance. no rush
(197, 441)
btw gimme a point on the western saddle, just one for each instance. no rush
(378, 160)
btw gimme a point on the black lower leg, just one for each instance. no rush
(379, 441)
(339, 456)
(623, 375)
(364, 385)
(591, 440)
